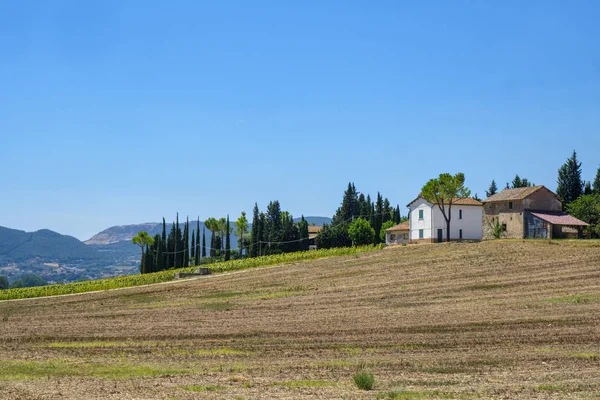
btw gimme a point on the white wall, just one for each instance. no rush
(471, 222)
(400, 237)
(416, 224)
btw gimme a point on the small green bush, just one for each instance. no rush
(364, 380)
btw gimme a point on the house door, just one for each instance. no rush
(440, 235)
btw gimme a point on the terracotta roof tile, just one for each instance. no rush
(514, 194)
(314, 229)
(403, 226)
(467, 201)
(559, 218)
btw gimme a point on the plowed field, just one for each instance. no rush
(492, 320)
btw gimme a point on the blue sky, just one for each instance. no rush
(118, 112)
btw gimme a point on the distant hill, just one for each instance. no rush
(319, 221)
(45, 245)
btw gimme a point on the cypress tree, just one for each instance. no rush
(227, 241)
(492, 190)
(163, 260)
(387, 211)
(186, 243)
(378, 217)
(570, 185)
(303, 228)
(596, 183)
(193, 247)
(254, 232)
(197, 243)
(588, 188)
(203, 241)
(176, 240)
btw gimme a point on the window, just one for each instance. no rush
(459, 214)
(392, 237)
(420, 233)
(420, 214)
(406, 236)
(460, 233)
(504, 227)
(510, 205)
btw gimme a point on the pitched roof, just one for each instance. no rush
(559, 218)
(466, 201)
(515, 194)
(314, 229)
(402, 226)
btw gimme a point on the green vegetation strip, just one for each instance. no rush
(169, 275)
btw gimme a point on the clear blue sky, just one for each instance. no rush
(119, 112)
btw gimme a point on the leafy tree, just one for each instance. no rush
(227, 240)
(386, 225)
(444, 191)
(28, 281)
(241, 229)
(596, 183)
(587, 209)
(3, 282)
(361, 232)
(492, 190)
(333, 236)
(142, 239)
(570, 185)
(213, 226)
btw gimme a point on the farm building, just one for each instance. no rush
(427, 223)
(398, 234)
(313, 232)
(530, 212)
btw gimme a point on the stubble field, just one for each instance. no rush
(491, 320)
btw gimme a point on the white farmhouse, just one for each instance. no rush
(427, 224)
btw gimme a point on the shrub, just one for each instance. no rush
(364, 380)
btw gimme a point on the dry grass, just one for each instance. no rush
(505, 319)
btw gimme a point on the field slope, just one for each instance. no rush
(485, 320)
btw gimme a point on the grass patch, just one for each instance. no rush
(364, 380)
(406, 395)
(586, 356)
(550, 388)
(26, 370)
(84, 345)
(218, 306)
(576, 299)
(221, 295)
(169, 275)
(305, 384)
(203, 388)
(223, 351)
(286, 292)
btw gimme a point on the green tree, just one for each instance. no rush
(204, 242)
(303, 231)
(197, 244)
(361, 232)
(492, 190)
(28, 281)
(241, 229)
(588, 188)
(587, 209)
(254, 232)
(386, 225)
(378, 216)
(444, 191)
(142, 239)
(349, 208)
(3, 282)
(227, 240)
(519, 182)
(186, 243)
(570, 185)
(596, 183)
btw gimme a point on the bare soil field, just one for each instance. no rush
(490, 320)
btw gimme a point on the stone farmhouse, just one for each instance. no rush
(530, 212)
(427, 224)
